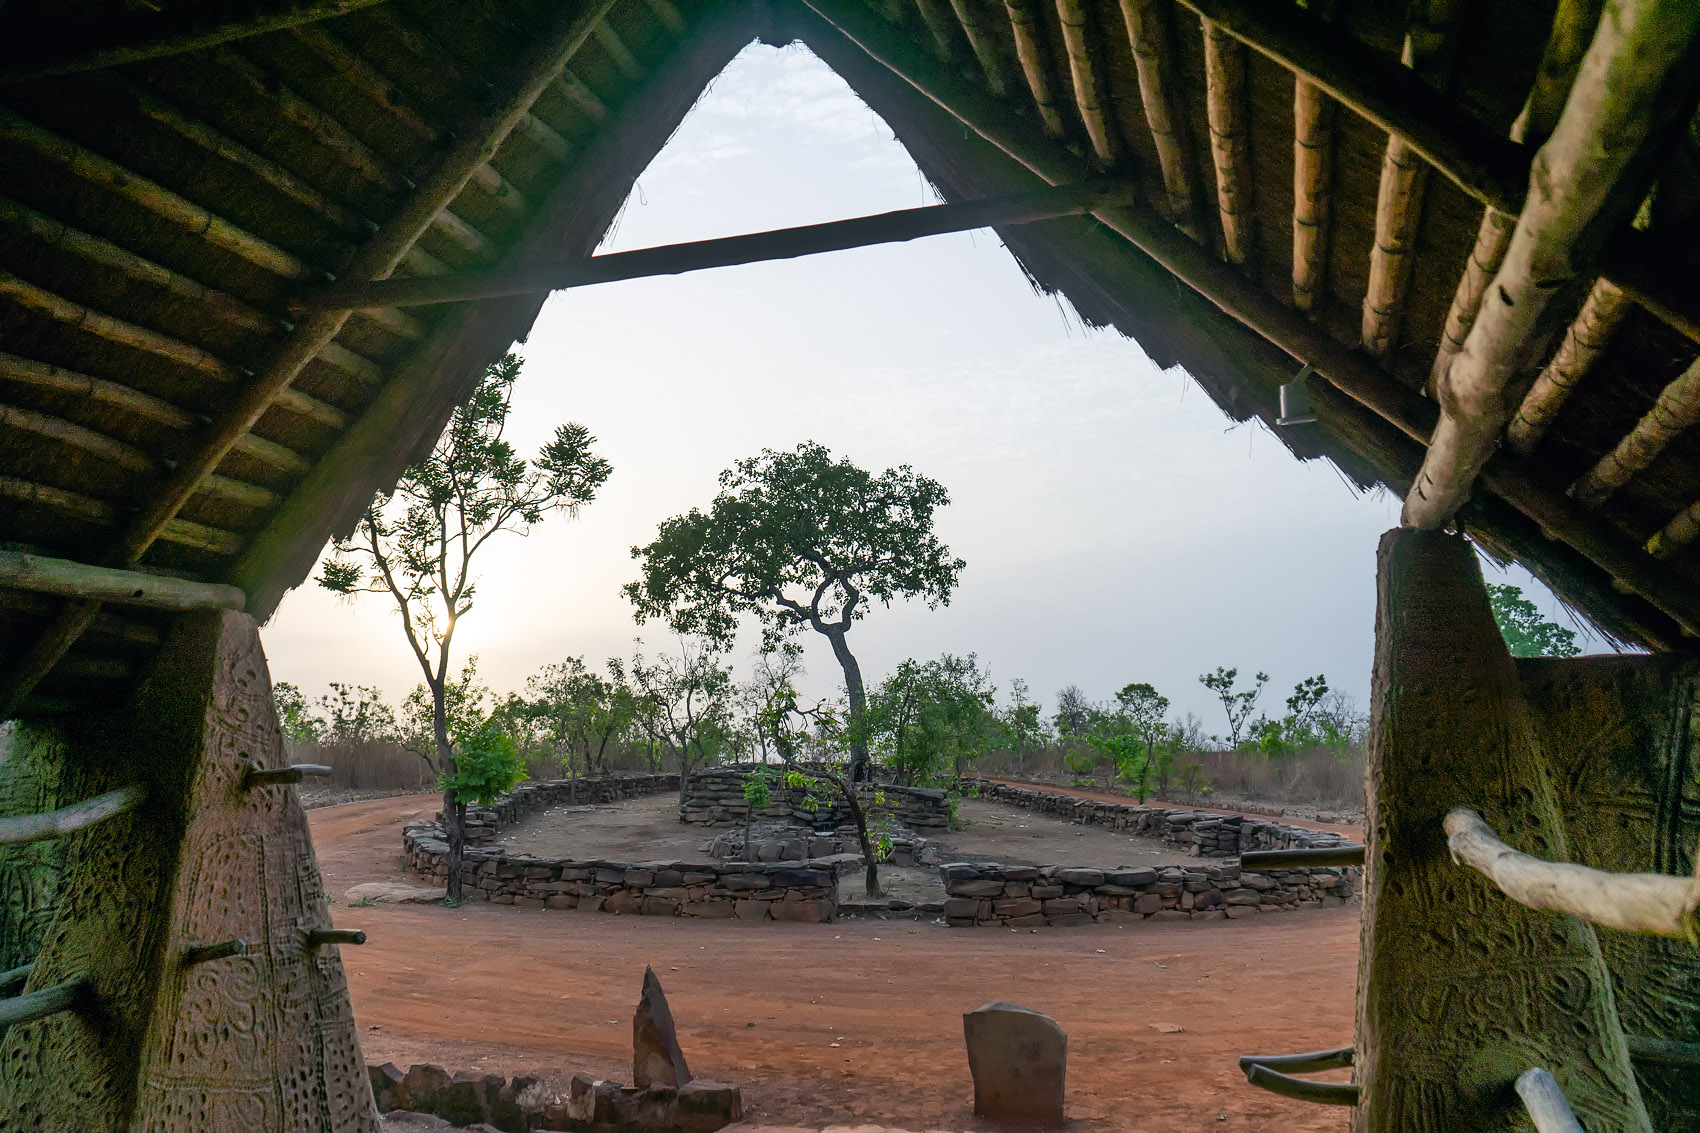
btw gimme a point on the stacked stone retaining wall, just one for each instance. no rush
(716, 798)
(782, 891)
(987, 894)
(484, 823)
(1202, 833)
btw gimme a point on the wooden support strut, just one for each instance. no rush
(1293, 859)
(1574, 192)
(674, 259)
(1322, 1093)
(1248, 305)
(1491, 169)
(1548, 1109)
(24, 828)
(70, 579)
(1308, 1063)
(282, 776)
(14, 978)
(40, 1004)
(1653, 903)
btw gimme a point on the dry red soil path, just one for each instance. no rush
(532, 991)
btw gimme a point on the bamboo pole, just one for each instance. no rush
(1313, 174)
(1548, 1109)
(1322, 1093)
(1085, 73)
(179, 532)
(97, 391)
(1244, 303)
(1307, 1063)
(1683, 529)
(1677, 408)
(124, 456)
(365, 78)
(1030, 49)
(20, 829)
(582, 96)
(1225, 66)
(1645, 1048)
(166, 32)
(1491, 169)
(377, 259)
(174, 210)
(1653, 903)
(30, 1006)
(984, 45)
(1149, 34)
(673, 259)
(131, 588)
(609, 40)
(936, 17)
(1572, 30)
(1615, 109)
(1293, 859)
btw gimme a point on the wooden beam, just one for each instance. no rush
(1085, 73)
(1576, 191)
(936, 17)
(20, 678)
(1030, 49)
(674, 259)
(984, 45)
(110, 177)
(1548, 1109)
(1300, 1089)
(1151, 37)
(133, 33)
(1225, 65)
(1639, 265)
(1573, 27)
(1584, 341)
(1653, 903)
(1676, 410)
(1491, 169)
(69, 579)
(1243, 302)
(42, 1002)
(1313, 177)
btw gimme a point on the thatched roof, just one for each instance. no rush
(176, 177)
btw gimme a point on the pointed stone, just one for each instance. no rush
(656, 1057)
(1019, 1060)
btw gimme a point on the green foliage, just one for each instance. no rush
(685, 701)
(465, 708)
(1236, 704)
(1131, 755)
(576, 713)
(797, 539)
(294, 718)
(1144, 708)
(931, 718)
(1022, 730)
(758, 789)
(1079, 764)
(883, 845)
(1526, 633)
(487, 766)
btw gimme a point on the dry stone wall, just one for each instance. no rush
(716, 798)
(484, 823)
(988, 894)
(1206, 834)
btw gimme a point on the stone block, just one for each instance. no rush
(560, 901)
(592, 1102)
(462, 1101)
(1032, 920)
(623, 901)
(638, 879)
(1147, 903)
(985, 887)
(653, 906)
(1171, 915)
(1019, 1062)
(1082, 877)
(1058, 906)
(751, 910)
(705, 1106)
(1119, 916)
(656, 1057)
(1072, 920)
(1239, 912)
(387, 1086)
(744, 881)
(961, 907)
(1241, 897)
(1020, 907)
(1046, 892)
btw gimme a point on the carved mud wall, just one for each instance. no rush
(260, 1042)
(1459, 988)
(1203, 833)
(989, 895)
(1619, 734)
(31, 760)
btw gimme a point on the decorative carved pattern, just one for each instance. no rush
(1459, 989)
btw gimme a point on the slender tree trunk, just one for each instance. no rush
(872, 880)
(454, 814)
(858, 698)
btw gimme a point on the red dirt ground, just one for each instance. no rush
(532, 991)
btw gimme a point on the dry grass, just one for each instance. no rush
(384, 765)
(1318, 776)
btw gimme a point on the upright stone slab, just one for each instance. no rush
(263, 1042)
(656, 1057)
(1019, 1062)
(1460, 989)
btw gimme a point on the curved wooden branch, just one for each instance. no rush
(1323, 1093)
(1634, 902)
(1350, 854)
(1301, 1063)
(15, 977)
(280, 776)
(35, 1005)
(1546, 1103)
(1644, 1048)
(70, 819)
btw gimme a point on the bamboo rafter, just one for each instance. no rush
(984, 45)
(611, 42)
(1618, 94)
(1149, 34)
(1225, 66)
(1677, 409)
(179, 533)
(1030, 49)
(1085, 72)
(1313, 175)
(1584, 341)
(67, 579)
(937, 18)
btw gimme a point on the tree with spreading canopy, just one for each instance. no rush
(800, 540)
(417, 544)
(928, 718)
(1526, 633)
(684, 702)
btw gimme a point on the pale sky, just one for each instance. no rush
(1117, 527)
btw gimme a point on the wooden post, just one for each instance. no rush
(1459, 990)
(263, 1040)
